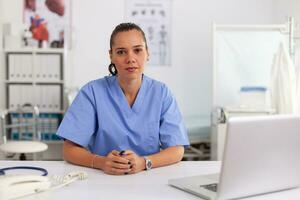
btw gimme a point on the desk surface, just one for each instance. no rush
(145, 185)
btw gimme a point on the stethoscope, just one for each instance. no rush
(44, 171)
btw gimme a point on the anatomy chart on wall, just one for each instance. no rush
(46, 22)
(154, 17)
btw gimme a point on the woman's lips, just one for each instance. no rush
(131, 69)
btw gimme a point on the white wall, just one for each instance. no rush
(284, 9)
(92, 25)
(190, 75)
(196, 46)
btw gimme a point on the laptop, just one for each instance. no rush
(261, 156)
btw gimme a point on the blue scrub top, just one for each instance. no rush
(101, 120)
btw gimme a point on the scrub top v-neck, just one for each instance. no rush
(101, 120)
(117, 93)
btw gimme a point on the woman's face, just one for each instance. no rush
(129, 54)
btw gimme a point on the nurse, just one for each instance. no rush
(126, 122)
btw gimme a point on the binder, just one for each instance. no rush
(38, 68)
(27, 94)
(11, 68)
(17, 69)
(27, 63)
(22, 67)
(55, 67)
(43, 67)
(44, 98)
(13, 97)
(50, 67)
(56, 97)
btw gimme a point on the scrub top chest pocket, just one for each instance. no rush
(152, 138)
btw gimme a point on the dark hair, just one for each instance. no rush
(122, 28)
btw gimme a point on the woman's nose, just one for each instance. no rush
(130, 57)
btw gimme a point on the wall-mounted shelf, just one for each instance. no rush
(35, 50)
(35, 77)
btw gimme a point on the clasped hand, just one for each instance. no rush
(123, 162)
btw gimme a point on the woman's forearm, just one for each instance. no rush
(80, 156)
(167, 156)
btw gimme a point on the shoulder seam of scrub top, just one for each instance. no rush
(93, 93)
(88, 89)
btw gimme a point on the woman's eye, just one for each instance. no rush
(120, 52)
(138, 50)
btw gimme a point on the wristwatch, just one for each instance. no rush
(148, 163)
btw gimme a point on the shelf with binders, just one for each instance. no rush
(34, 67)
(47, 97)
(35, 77)
(30, 82)
(35, 50)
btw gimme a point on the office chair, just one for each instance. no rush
(25, 143)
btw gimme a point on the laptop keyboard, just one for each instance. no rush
(211, 187)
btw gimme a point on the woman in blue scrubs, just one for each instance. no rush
(127, 122)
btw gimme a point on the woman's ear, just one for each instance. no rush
(110, 54)
(148, 55)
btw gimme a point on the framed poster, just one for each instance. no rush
(154, 17)
(46, 22)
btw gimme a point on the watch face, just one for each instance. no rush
(148, 164)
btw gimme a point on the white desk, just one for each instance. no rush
(145, 185)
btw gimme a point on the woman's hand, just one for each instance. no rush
(116, 164)
(137, 162)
